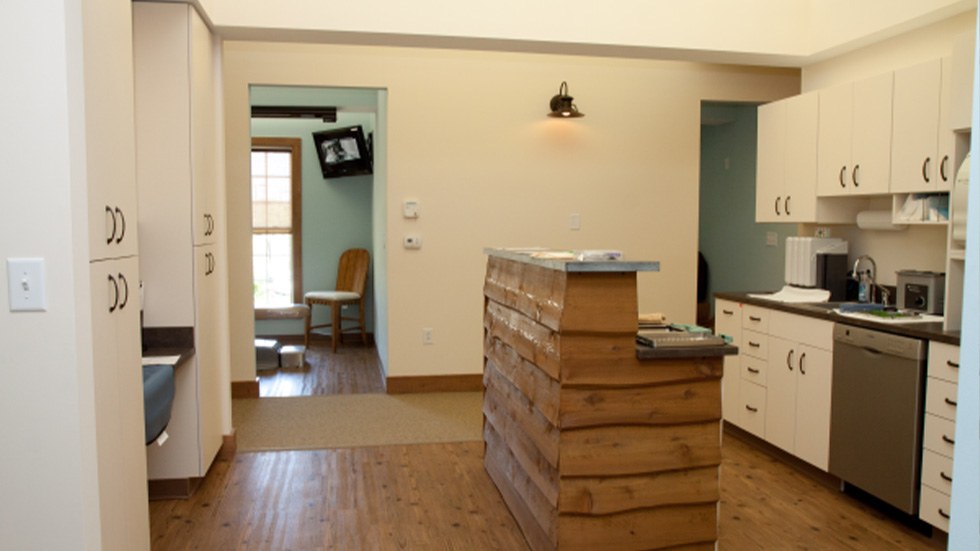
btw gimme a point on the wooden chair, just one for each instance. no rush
(351, 282)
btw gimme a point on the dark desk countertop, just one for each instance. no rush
(679, 352)
(920, 330)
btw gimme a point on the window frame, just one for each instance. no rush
(294, 146)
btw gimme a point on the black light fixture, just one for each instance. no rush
(562, 106)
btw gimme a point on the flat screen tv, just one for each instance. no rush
(343, 152)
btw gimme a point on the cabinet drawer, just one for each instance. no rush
(728, 320)
(944, 361)
(752, 413)
(934, 508)
(755, 318)
(939, 435)
(941, 398)
(753, 369)
(754, 344)
(814, 332)
(937, 471)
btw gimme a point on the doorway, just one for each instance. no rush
(740, 254)
(336, 214)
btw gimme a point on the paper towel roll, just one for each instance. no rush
(877, 220)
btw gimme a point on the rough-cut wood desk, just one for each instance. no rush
(593, 443)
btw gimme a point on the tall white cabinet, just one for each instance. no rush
(177, 175)
(114, 276)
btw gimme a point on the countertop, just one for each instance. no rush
(920, 330)
(644, 352)
(548, 258)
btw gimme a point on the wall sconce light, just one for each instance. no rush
(562, 106)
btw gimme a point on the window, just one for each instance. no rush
(276, 222)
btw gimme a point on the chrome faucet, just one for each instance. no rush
(872, 274)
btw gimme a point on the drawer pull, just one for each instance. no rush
(753, 370)
(727, 312)
(950, 402)
(943, 514)
(755, 318)
(949, 440)
(752, 409)
(954, 365)
(944, 476)
(754, 344)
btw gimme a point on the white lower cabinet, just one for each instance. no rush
(728, 323)
(939, 434)
(798, 400)
(784, 372)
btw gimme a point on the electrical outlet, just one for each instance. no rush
(412, 242)
(822, 232)
(772, 239)
(427, 335)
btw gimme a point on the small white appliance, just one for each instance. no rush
(817, 262)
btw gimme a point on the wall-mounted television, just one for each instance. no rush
(343, 152)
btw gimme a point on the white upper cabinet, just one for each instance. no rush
(922, 143)
(854, 139)
(787, 160)
(786, 168)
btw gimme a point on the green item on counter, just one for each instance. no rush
(689, 328)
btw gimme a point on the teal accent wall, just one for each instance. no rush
(337, 215)
(732, 242)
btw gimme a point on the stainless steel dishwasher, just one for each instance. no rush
(876, 413)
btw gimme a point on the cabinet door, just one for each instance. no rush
(206, 346)
(800, 173)
(946, 154)
(770, 157)
(834, 140)
(813, 392)
(872, 134)
(203, 153)
(110, 151)
(916, 128)
(781, 393)
(728, 322)
(118, 384)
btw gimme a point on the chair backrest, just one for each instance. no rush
(353, 270)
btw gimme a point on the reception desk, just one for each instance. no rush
(592, 442)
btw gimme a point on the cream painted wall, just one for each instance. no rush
(468, 137)
(922, 44)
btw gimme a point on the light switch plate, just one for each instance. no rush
(25, 284)
(410, 208)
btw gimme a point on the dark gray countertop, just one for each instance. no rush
(921, 330)
(644, 352)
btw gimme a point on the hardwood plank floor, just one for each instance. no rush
(353, 369)
(438, 496)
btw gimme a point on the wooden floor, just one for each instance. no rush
(438, 496)
(353, 369)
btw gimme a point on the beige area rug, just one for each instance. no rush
(355, 420)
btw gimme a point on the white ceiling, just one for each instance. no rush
(791, 33)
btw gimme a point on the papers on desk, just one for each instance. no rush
(675, 339)
(161, 360)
